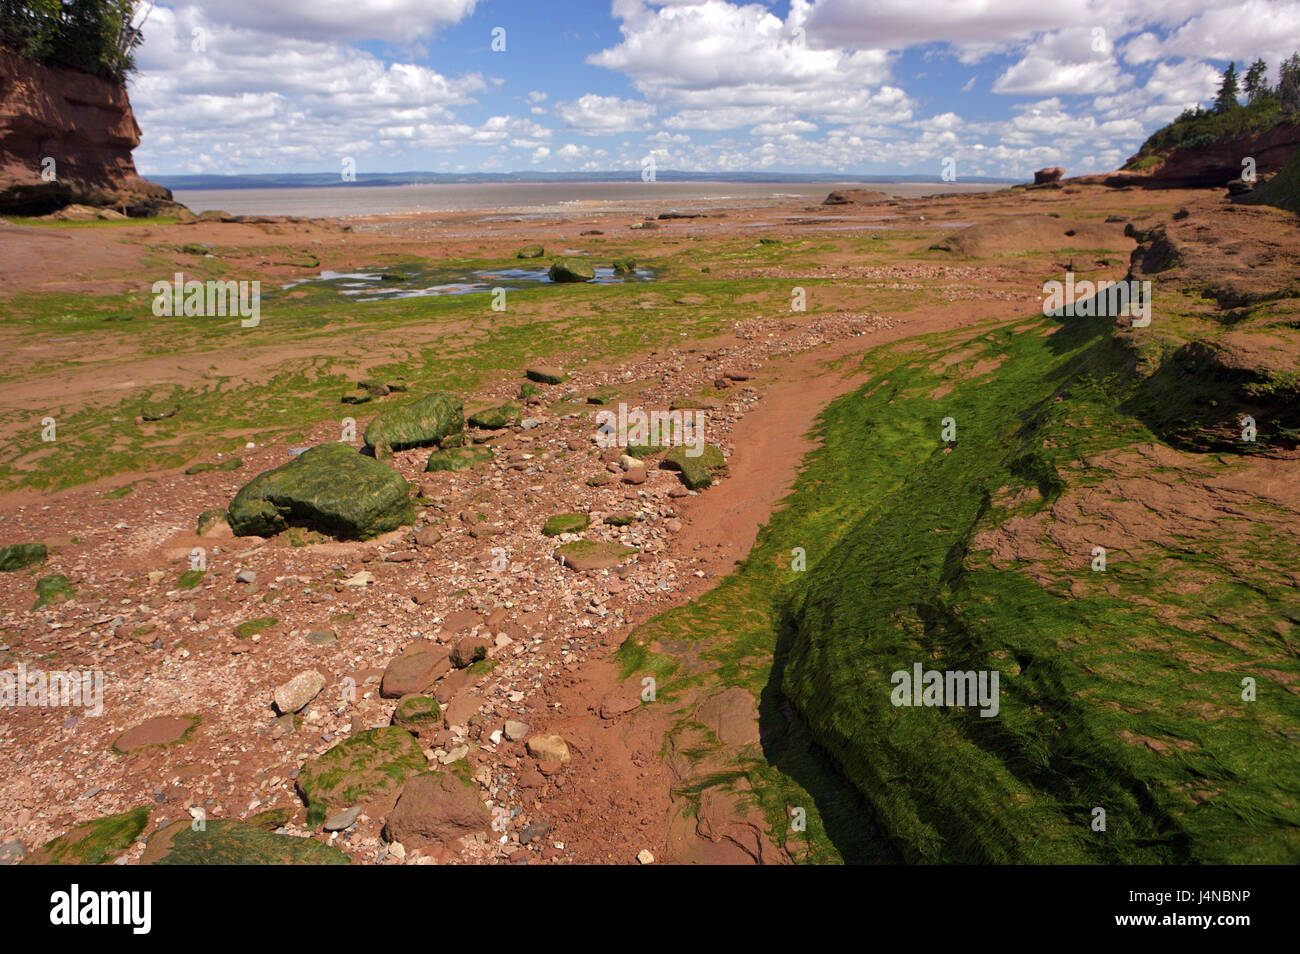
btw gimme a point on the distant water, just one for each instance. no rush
(538, 198)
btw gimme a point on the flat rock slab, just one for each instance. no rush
(582, 555)
(161, 730)
(548, 748)
(732, 715)
(415, 670)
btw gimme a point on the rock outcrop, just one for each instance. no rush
(1209, 166)
(66, 138)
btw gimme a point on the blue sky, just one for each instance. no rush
(828, 86)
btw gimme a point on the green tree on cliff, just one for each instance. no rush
(92, 35)
(1227, 96)
(1255, 84)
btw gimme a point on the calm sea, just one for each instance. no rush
(538, 198)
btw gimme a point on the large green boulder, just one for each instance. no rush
(19, 556)
(571, 270)
(425, 422)
(530, 251)
(330, 488)
(369, 767)
(94, 842)
(225, 842)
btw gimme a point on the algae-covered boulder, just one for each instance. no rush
(330, 488)
(566, 523)
(571, 270)
(19, 556)
(368, 768)
(55, 588)
(93, 842)
(418, 715)
(625, 266)
(457, 458)
(545, 374)
(530, 251)
(226, 842)
(697, 472)
(495, 418)
(427, 421)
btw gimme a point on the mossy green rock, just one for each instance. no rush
(417, 714)
(189, 579)
(495, 418)
(330, 488)
(226, 842)
(370, 766)
(544, 374)
(93, 842)
(19, 556)
(425, 422)
(54, 588)
(530, 251)
(625, 266)
(566, 523)
(527, 390)
(210, 519)
(571, 270)
(458, 458)
(697, 472)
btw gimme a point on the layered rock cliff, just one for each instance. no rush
(66, 137)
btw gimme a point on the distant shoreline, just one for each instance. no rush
(532, 199)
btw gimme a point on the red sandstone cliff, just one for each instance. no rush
(85, 125)
(1211, 165)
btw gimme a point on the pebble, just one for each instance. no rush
(245, 576)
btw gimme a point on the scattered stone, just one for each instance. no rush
(295, 694)
(582, 555)
(343, 820)
(245, 576)
(645, 857)
(415, 670)
(548, 748)
(468, 651)
(515, 731)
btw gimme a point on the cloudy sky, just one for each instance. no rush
(831, 86)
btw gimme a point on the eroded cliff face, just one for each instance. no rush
(1212, 165)
(66, 137)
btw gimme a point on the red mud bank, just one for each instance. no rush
(66, 137)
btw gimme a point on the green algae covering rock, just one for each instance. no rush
(19, 556)
(697, 472)
(368, 767)
(495, 418)
(530, 251)
(224, 842)
(566, 523)
(418, 714)
(93, 842)
(593, 554)
(571, 270)
(457, 458)
(427, 421)
(330, 488)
